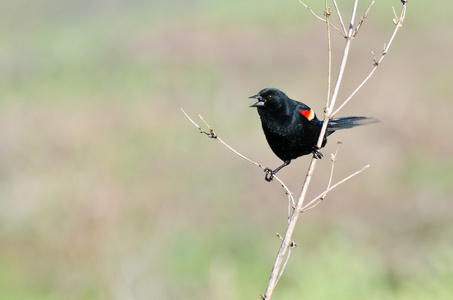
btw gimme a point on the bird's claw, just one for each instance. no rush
(269, 174)
(316, 153)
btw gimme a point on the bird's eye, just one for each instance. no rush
(269, 97)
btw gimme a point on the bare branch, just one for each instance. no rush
(319, 18)
(287, 237)
(340, 74)
(295, 215)
(296, 208)
(334, 160)
(211, 134)
(376, 62)
(196, 125)
(351, 24)
(339, 17)
(291, 246)
(321, 196)
(329, 54)
(362, 19)
(299, 208)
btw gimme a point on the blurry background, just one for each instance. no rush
(108, 192)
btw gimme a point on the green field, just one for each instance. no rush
(108, 192)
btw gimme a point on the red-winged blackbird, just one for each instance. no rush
(292, 128)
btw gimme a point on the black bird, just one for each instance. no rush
(292, 128)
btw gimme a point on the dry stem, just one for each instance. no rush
(321, 196)
(297, 208)
(333, 159)
(286, 241)
(319, 18)
(339, 16)
(212, 134)
(376, 62)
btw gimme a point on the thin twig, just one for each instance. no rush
(339, 17)
(312, 12)
(376, 62)
(321, 196)
(340, 72)
(291, 246)
(329, 54)
(212, 134)
(319, 18)
(334, 160)
(362, 19)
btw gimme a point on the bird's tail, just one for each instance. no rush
(348, 122)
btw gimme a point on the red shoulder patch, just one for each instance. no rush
(307, 113)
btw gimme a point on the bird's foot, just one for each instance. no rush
(316, 153)
(269, 174)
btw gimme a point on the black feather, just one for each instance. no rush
(349, 122)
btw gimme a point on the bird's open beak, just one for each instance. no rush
(260, 101)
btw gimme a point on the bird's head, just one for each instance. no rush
(269, 97)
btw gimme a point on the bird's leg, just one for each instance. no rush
(270, 174)
(316, 153)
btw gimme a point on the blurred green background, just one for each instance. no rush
(108, 192)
